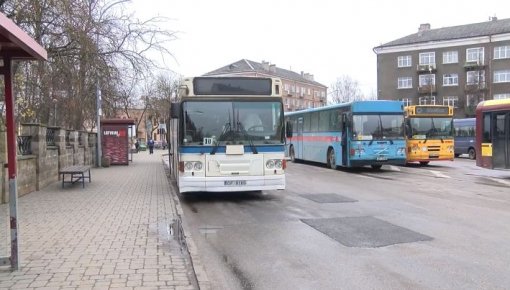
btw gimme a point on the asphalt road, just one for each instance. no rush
(442, 226)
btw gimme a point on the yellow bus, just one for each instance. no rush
(429, 133)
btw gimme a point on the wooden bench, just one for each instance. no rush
(77, 172)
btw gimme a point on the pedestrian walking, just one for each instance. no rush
(151, 146)
(137, 145)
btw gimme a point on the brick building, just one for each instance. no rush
(300, 91)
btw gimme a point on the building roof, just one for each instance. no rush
(244, 66)
(487, 28)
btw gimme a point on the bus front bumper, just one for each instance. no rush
(228, 183)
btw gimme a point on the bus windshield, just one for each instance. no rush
(232, 122)
(430, 128)
(378, 127)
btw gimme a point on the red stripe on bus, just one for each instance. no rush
(315, 139)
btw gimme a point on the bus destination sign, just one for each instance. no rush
(232, 86)
(432, 110)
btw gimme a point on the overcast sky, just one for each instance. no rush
(325, 38)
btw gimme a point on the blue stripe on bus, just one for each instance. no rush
(221, 149)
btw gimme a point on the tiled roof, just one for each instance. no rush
(244, 65)
(491, 27)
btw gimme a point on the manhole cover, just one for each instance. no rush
(364, 232)
(327, 198)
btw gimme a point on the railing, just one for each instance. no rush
(25, 145)
(90, 140)
(50, 136)
(470, 65)
(426, 68)
(475, 86)
(426, 89)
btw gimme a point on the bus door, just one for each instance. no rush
(344, 142)
(501, 140)
(299, 142)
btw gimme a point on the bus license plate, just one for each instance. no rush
(381, 158)
(234, 182)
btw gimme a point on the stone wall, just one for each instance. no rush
(49, 154)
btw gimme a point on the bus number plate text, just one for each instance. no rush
(234, 182)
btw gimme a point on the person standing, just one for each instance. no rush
(137, 145)
(151, 146)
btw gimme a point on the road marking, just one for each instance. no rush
(439, 174)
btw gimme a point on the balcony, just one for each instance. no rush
(475, 87)
(473, 65)
(426, 68)
(427, 89)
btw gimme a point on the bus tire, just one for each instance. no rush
(292, 154)
(331, 161)
(457, 154)
(472, 153)
(376, 166)
(424, 163)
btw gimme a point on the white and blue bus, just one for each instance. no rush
(351, 134)
(227, 134)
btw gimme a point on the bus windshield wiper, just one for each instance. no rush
(226, 129)
(249, 137)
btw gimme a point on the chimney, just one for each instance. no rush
(424, 27)
(272, 68)
(265, 65)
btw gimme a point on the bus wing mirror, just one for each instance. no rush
(288, 130)
(174, 111)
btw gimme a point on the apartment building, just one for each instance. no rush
(300, 90)
(459, 66)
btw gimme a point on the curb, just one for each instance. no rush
(198, 268)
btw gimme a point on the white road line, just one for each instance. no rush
(439, 174)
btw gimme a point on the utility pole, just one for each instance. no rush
(98, 113)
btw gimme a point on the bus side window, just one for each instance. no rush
(486, 128)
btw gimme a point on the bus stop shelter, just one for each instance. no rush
(115, 140)
(15, 44)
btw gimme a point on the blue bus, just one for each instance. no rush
(464, 135)
(353, 134)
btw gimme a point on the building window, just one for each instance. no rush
(502, 52)
(405, 83)
(427, 80)
(474, 55)
(428, 58)
(309, 91)
(404, 61)
(451, 101)
(428, 100)
(450, 80)
(501, 96)
(502, 76)
(286, 86)
(476, 77)
(407, 101)
(450, 57)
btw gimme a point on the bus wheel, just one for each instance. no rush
(331, 159)
(424, 163)
(292, 154)
(472, 153)
(376, 166)
(457, 155)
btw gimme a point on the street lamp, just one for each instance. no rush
(55, 112)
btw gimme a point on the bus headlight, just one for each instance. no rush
(188, 166)
(270, 164)
(424, 148)
(198, 166)
(278, 164)
(450, 148)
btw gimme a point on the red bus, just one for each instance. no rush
(493, 134)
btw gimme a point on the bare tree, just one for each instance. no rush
(90, 44)
(345, 89)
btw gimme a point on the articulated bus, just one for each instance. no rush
(429, 132)
(350, 134)
(228, 135)
(493, 134)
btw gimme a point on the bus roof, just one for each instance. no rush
(230, 86)
(504, 103)
(373, 106)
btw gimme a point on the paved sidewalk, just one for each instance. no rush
(114, 233)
